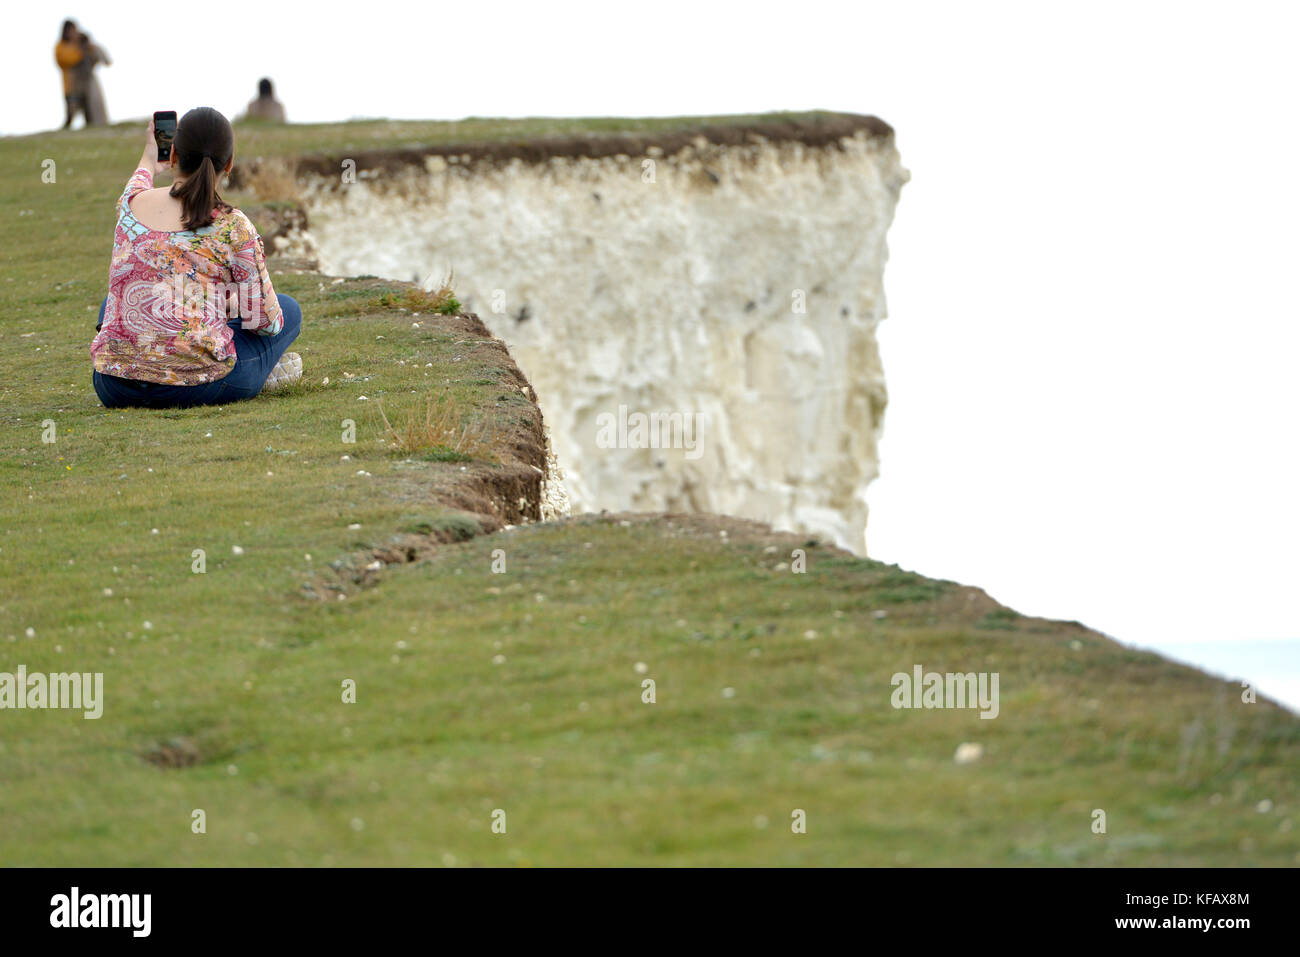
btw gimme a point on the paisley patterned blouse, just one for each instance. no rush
(171, 295)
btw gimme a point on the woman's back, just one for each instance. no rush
(157, 209)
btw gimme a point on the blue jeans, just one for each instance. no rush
(256, 355)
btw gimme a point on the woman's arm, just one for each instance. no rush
(260, 309)
(149, 158)
(144, 174)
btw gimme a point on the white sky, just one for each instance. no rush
(1093, 330)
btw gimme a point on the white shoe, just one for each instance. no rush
(286, 372)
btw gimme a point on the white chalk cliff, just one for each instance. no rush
(738, 285)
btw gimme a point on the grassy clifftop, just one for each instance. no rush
(505, 671)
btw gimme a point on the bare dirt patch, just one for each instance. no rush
(173, 754)
(820, 131)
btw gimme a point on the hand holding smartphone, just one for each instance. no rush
(164, 133)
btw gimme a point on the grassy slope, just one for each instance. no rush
(243, 672)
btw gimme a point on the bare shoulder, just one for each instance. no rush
(157, 209)
(152, 197)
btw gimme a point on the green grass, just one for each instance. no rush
(519, 690)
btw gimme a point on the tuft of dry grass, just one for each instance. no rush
(441, 300)
(440, 427)
(273, 180)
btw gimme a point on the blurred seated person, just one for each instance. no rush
(266, 106)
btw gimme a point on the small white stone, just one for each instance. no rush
(728, 692)
(641, 667)
(968, 753)
(1264, 806)
(236, 550)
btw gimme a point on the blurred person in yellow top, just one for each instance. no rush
(68, 53)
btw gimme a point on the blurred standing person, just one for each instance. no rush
(68, 54)
(266, 106)
(87, 84)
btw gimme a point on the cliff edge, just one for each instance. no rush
(696, 308)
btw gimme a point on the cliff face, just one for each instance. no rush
(697, 317)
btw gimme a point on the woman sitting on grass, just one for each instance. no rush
(190, 317)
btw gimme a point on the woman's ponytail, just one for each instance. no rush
(198, 195)
(204, 144)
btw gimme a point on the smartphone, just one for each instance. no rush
(164, 131)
